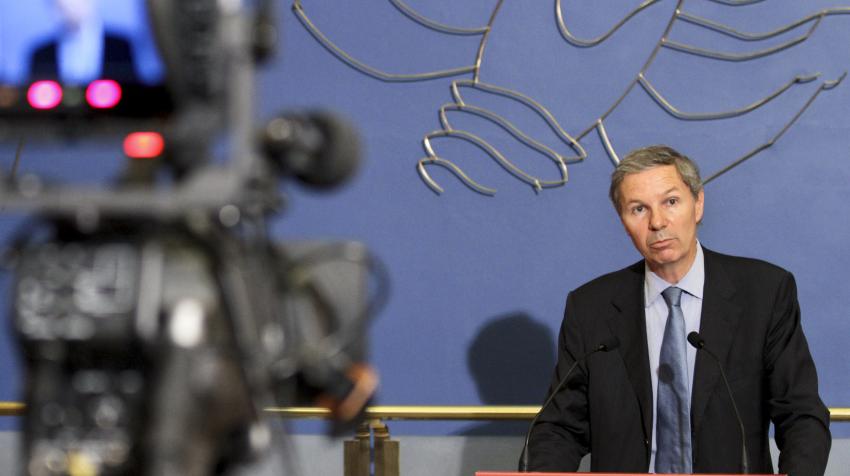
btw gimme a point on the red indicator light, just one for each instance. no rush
(103, 94)
(143, 145)
(44, 94)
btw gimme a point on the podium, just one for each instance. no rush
(514, 473)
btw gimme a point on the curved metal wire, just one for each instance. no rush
(599, 123)
(426, 177)
(364, 68)
(634, 82)
(512, 130)
(479, 55)
(501, 122)
(749, 36)
(461, 105)
(483, 145)
(606, 141)
(447, 131)
(736, 3)
(574, 142)
(575, 41)
(529, 102)
(434, 25)
(672, 110)
(740, 56)
(827, 85)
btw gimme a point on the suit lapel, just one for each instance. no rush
(628, 323)
(718, 323)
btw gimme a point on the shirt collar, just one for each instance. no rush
(80, 53)
(692, 283)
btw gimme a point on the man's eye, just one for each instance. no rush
(672, 201)
(637, 209)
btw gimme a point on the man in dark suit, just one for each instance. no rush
(116, 61)
(82, 49)
(657, 404)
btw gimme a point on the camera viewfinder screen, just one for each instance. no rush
(79, 59)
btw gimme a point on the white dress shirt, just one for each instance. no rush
(656, 319)
(80, 53)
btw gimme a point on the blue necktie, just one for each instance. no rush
(673, 417)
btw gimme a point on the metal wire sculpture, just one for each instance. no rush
(573, 142)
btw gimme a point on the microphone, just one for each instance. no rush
(606, 345)
(319, 148)
(699, 343)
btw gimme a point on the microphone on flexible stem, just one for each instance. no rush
(606, 345)
(699, 343)
(319, 148)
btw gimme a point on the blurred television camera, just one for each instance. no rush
(157, 318)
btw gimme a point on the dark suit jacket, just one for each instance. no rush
(750, 320)
(117, 60)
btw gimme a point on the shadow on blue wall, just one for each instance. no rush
(511, 360)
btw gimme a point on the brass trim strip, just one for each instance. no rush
(429, 412)
(839, 414)
(457, 412)
(414, 412)
(11, 408)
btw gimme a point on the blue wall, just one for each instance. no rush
(479, 282)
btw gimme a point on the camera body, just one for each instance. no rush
(158, 323)
(130, 357)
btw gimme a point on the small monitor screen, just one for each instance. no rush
(79, 59)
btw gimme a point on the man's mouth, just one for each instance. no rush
(662, 243)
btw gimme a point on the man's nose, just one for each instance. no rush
(657, 221)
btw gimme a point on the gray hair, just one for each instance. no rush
(651, 157)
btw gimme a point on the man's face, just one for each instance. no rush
(660, 215)
(75, 12)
